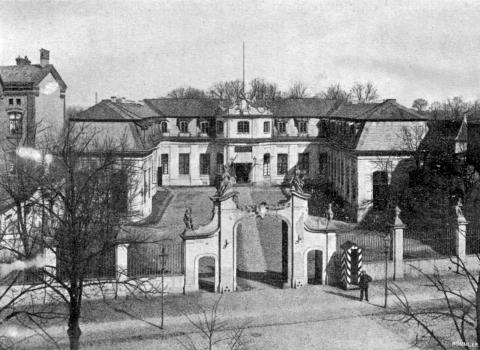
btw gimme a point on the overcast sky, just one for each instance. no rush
(428, 49)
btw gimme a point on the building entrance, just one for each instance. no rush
(242, 172)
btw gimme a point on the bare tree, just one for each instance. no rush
(262, 91)
(364, 93)
(460, 307)
(412, 140)
(420, 104)
(186, 92)
(214, 331)
(228, 90)
(297, 90)
(84, 195)
(335, 92)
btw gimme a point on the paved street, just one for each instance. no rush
(315, 317)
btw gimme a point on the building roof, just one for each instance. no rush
(303, 107)
(389, 110)
(107, 110)
(184, 107)
(28, 75)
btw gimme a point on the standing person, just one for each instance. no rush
(363, 284)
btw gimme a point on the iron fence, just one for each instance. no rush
(429, 243)
(473, 236)
(372, 244)
(33, 275)
(97, 265)
(145, 259)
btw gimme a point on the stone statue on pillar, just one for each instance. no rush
(297, 181)
(227, 182)
(458, 209)
(330, 212)
(187, 219)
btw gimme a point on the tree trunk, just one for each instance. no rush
(74, 331)
(477, 309)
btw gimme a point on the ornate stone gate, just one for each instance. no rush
(218, 239)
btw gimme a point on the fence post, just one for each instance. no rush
(397, 239)
(461, 232)
(121, 262)
(50, 257)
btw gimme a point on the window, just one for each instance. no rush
(204, 127)
(220, 163)
(243, 127)
(15, 123)
(219, 127)
(322, 163)
(282, 164)
(380, 189)
(282, 127)
(204, 164)
(183, 126)
(164, 162)
(266, 127)
(184, 163)
(302, 127)
(10, 101)
(19, 102)
(164, 127)
(144, 186)
(347, 180)
(304, 162)
(266, 164)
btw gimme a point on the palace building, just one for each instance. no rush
(359, 148)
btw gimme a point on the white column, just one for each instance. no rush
(397, 241)
(194, 165)
(121, 262)
(173, 163)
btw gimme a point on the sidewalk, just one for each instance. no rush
(317, 308)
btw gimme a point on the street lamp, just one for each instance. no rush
(387, 251)
(163, 258)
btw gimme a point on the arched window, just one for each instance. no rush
(164, 127)
(266, 164)
(15, 123)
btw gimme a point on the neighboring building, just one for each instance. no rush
(34, 100)
(186, 142)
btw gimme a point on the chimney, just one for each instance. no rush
(44, 57)
(113, 98)
(22, 61)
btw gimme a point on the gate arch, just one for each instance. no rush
(286, 238)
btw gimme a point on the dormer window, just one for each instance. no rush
(302, 127)
(282, 127)
(183, 126)
(219, 127)
(164, 127)
(15, 123)
(204, 127)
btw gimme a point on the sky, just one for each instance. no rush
(143, 49)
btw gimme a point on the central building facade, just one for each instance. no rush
(359, 149)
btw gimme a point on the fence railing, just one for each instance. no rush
(98, 265)
(429, 243)
(473, 236)
(146, 259)
(33, 275)
(372, 244)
